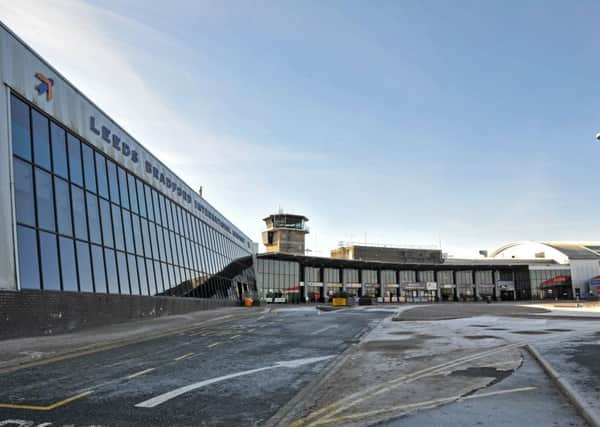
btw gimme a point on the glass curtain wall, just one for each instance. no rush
(86, 224)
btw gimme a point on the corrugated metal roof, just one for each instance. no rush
(576, 250)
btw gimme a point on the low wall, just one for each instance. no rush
(33, 313)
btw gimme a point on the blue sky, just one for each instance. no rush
(405, 122)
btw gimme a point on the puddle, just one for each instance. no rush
(480, 337)
(529, 332)
(483, 371)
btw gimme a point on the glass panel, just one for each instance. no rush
(137, 232)
(98, 264)
(20, 127)
(159, 277)
(123, 276)
(59, 150)
(132, 193)
(141, 197)
(153, 240)
(148, 193)
(75, 170)
(143, 278)
(113, 182)
(156, 207)
(49, 261)
(101, 175)
(29, 275)
(106, 219)
(133, 275)
(67, 264)
(89, 168)
(123, 188)
(44, 200)
(128, 232)
(93, 218)
(165, 272)
(151, 281)
(84, 267)
(161, 244)
(63, 206)
(146, 238)
(118, 223)
(111, 271)
(41, 139)
(79, 215)
(24, 205)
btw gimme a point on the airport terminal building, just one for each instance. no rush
(85, 208)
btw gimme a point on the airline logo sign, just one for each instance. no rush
(45, 86)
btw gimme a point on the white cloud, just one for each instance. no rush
(106, 56)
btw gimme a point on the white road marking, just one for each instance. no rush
(323, 329)
(234, 337)
(213, 344)
(185, 356)
(137, 374)
(155, 401)
(495, 393)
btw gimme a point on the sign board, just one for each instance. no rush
(334, 285)
(315, 284)
(353, 285)
(505, 285)
(339, 301)
(431, 286)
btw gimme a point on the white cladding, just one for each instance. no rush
(582, 270)
(18, 67)
(7, 231)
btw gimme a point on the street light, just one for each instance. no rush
(598, 136)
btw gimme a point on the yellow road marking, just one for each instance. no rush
(184, 356)
(137, 374)
(213, 344)
(49, 407)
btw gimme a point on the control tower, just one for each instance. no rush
(285, 233)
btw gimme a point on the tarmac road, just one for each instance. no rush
(237, 373)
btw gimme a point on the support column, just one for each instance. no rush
(8, 270)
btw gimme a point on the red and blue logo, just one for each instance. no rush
(45, 86)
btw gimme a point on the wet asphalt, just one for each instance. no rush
(109, 384)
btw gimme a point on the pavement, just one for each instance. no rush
(237, 371)
(296, 366)
(23, 351)
(456, 365)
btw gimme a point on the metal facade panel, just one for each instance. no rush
(8, 274)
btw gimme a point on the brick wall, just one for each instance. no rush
(34, 313)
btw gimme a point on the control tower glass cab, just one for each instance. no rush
(285, 233)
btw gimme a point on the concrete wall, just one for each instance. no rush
(34, 313)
